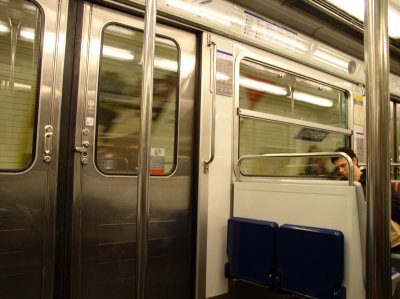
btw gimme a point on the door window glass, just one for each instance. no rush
(20, 26)
(118, 115)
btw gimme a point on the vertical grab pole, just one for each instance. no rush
(144, 146)
(378, 176)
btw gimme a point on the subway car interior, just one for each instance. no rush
(177, 149)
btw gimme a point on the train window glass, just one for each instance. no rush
(392, 132)
(267, 90)
(396, 139)
(267, 137)
(118, 115)
(20, 31)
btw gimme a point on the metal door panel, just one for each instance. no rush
(104, 213)
(27, 197)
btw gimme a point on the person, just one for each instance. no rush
(315, 165)
(360, 175)
(342, 166)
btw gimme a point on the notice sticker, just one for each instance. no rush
(89, 121)
(157, 160)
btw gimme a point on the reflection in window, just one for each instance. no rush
(267, 90)
(277, 92)
(20, 26)
(265, 137)
(395, 137)
(118, 116)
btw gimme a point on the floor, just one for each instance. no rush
(250, 291)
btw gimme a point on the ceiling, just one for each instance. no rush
(322, 21)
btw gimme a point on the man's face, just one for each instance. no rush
(343, 166)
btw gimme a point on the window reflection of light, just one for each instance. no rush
(262, 86)
(310, 99)
(30, 7)
(166, 64)
(117, 53)
(4, 28)
(22, 86)
(27, 33)
(121, 31)
(199, 11)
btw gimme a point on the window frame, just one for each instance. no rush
(35, 111)
(177, 104)
(284, 65)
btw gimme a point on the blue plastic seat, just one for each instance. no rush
(311, 261)
(252, 250)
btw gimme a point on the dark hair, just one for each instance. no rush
(346, 150)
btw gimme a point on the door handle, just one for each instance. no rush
(82, 149)
(47, 143)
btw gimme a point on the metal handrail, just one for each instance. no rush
(392, 164)
(146, 104)
(214, 91)
(295, 155)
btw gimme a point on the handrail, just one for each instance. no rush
(377, 68)
(214, 91)
(146, 104)
(392, 164)
(294, 155)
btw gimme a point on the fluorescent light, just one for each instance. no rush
(393, 23)
(310, 99)
(262, 86)
(27, 33)
(117, 53)
(166, 64)
(356, 8)
(331, 58)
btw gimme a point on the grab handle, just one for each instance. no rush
(214, 89)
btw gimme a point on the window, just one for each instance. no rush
(19, 70)
(281, 112)
(118, 115)
(395, 137)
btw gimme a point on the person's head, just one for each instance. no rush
(341, 163)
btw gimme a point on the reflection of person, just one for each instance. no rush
(315, 165)
(361, 177)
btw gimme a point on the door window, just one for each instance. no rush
(118, 116)
(20, 27)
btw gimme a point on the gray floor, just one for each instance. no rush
(249, 291)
